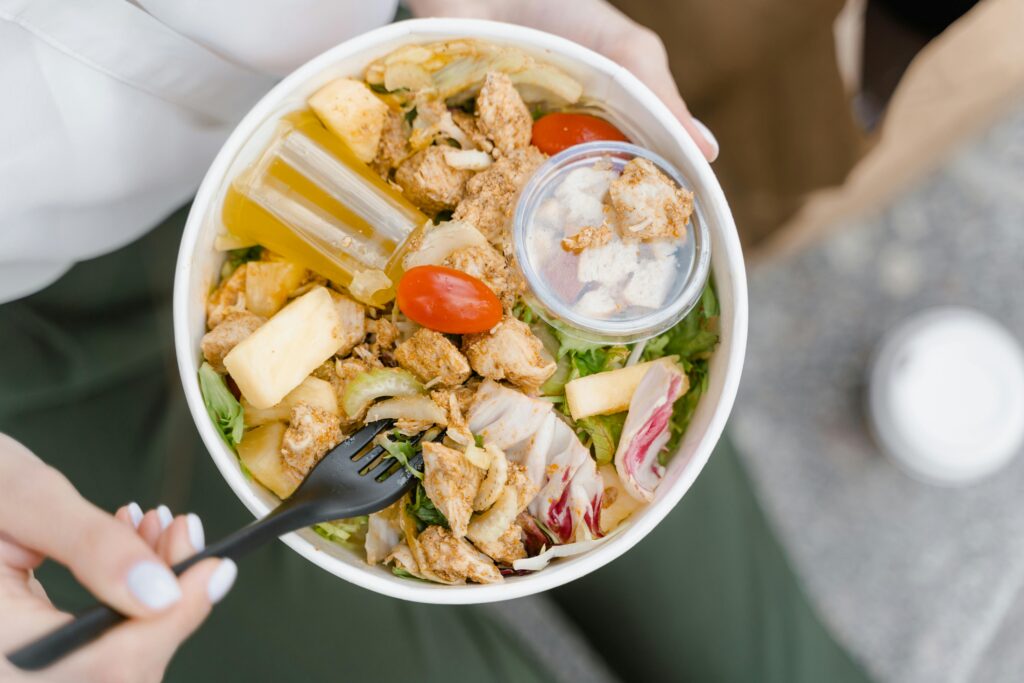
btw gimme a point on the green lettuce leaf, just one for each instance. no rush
(350, 533)
(604, 432)
(398, 447)
(223, 408)
(423, 509)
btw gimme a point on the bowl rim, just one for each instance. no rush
(186, 354)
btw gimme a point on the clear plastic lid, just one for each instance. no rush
(616, 290)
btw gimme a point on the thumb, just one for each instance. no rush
(43, 512)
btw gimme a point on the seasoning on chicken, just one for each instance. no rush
(385, 338)
(467, 124)
(434, 123)
(353, 321)
(458, 428)
(429, 182)
(511, 352)
(453, 559)
(229, 297)
(235, 327)
(508, 548)
(310, 434)
(431, 356)
(490, 195)
(451, 482)
(502, 115)
(588, 236)
(394, 144)
(648, 204)
(491, 268)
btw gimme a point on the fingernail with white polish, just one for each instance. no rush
(163, 513)
(709, 136)
(135, 514)
(196, 535)
(221, 580)
(154, 585)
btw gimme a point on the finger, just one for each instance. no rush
(154, 641)
(17, 557)
(130, 514)
(183, 539)
(699, 133)
(43, 512)
(153, 524)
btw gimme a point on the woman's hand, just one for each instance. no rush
(123, 560)
(597, 25)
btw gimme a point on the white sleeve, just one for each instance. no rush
(115, 112)
(274, 36)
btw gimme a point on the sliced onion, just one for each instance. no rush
(419, 408)
(439, 242)
(467, 159)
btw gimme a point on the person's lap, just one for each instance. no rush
(88, 381)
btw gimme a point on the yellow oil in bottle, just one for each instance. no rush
(310, 199)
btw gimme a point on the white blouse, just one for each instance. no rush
(112, 110)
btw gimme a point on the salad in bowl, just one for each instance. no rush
(372, 271)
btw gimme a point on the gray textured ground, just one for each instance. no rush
(920, 583)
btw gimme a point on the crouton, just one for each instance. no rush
(353, 321)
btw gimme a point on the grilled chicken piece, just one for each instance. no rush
(511, 352)
(430, 355)
(453, 559)
(646, 430)
(451, 482)
(502, 115)
(311, 433)
(458, 428)
(233, 328)
(490, 195)
(229, 297)
(648, 204)
(394, 144)
(508, 548)
(429, 182)
(490, 267)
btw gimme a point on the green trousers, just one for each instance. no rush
(88, 381)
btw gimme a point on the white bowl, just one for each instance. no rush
(644, 118)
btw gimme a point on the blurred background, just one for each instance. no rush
(873, 156)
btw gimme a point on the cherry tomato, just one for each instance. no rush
(554, 132)
(447, 300)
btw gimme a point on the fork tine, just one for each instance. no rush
(351, 447)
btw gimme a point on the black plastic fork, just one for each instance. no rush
(347, 482)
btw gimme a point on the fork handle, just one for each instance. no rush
(96, 620)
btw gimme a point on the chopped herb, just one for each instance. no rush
(478, 440)
(423, 509)
(443, 215)
(381, 89)
(468, 106)
(410, 116)
(452, 142)
(223, 408)
(538, 111)
(236, 257)
(523, 311)
(398, 447)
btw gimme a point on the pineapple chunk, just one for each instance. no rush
(607, 392)
(616, 504)
(313, 391)
(268, 284)
(352, 112)
(278, 356)
(260, 452)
